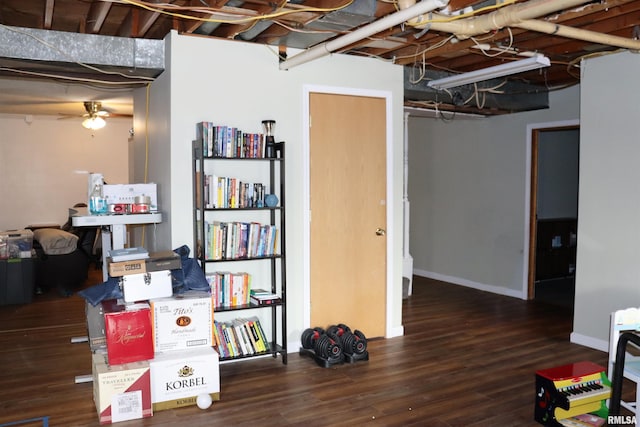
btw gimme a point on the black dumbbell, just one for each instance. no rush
(310, 336)
(354, 342)
(329, 346)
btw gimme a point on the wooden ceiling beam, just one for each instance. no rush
(97, 14)
(48, 14)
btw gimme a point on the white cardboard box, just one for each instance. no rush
(178, 377)
(121, 392)
(127, 193)
(182, 321)
(145, 286)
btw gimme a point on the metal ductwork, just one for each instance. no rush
(361, 33)
(35, 51)
(510, 97)
(357, 14)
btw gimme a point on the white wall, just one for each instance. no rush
(467, 188)
(240, 84)
(38, 157)
(608, 272)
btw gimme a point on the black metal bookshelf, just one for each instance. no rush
(276, 217)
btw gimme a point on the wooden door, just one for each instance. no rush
(347, 157)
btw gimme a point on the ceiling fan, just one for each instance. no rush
(95, 115)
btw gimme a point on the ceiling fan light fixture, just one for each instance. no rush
(94, 123)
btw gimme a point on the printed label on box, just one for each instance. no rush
(178, 377)
(128, 331)
(182, 321)
(126, 406)
(121, 392)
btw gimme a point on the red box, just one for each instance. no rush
(128, 332)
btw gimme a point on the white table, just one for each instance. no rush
(115, 236)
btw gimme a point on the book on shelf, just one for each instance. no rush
(240, 337)
(228, 141)
(128, 254)
(240, 240)
(259, 291)
(228, 289)
(265, 299)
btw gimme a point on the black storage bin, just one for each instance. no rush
(16, 281)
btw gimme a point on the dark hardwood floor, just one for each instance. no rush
(467, 358)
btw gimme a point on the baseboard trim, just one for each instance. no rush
(590, 342)
(470, 284)
(398, 331)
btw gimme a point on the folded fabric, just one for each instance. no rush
(103, 291)
(190, 276)
(55, 241)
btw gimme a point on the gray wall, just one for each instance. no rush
(468, 184)
(607, 275)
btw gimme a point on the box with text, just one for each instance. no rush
(128, 331)
(182, 321)
(121, 392)
(178, 377)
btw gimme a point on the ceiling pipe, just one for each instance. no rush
(324, 49)
(503, 17)
(520, 15)
(578, 34)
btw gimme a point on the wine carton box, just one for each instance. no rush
(128, 331)
(182, 321)
(121, 392)
(178, 377)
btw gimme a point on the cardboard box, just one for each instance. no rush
(182, 321)
(121, 392)
(95, 327)
(145, 286)
(178, 377)
(127, 193)
(16, 244)
(128, 331)
(158, 261)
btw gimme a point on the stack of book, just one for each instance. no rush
(128, 254)
(240, 337)
(262, 297)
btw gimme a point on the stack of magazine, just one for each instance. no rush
(128, 254)
(263, 297)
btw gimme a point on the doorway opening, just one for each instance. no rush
(554, 214)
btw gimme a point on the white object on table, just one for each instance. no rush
(116, 236)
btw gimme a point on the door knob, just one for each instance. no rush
(380, 231)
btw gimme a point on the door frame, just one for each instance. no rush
(390, 200)
(529, 201)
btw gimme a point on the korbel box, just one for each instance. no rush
(183, 321)
(145, 286)
(121, 392)
(178, 377)
(128, 331)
